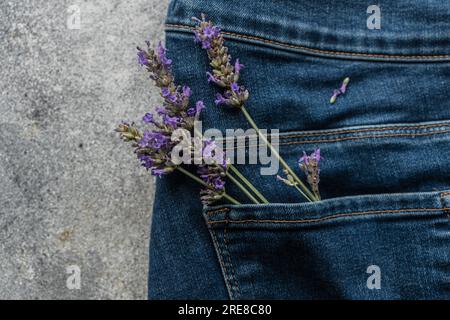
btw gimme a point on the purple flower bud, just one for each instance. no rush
(218, 183)
(206, 44)
(211, 32)
(187, 92)
(171, 121)
(344, 85)
(166, 93)
(336, 93)
(153, 139)
(158, 172)
(340, 91)
(220, 99)
(211, 78)
(238, 66)
(191, 112)
(161, 110)
(148, 118)
(142, 57)
(199, 106)
(162, 55)
(146, 160)
(235, 87)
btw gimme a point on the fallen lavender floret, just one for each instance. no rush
(340, 91)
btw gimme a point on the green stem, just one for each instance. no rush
(299, 190)
(248, 183)
(197, 179)
(240, 186)
(308, 194)
(241, 176)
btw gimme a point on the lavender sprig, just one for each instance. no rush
(153, 148)
(212, 171)
(310, 165)
(226, 76)
(175, 111)
(224, 73)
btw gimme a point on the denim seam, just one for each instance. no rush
(222, 264)
(233, 270)
(355, 138)
(444, 205)
(331, 217)
(209, 213)
(373, 129)
(312, 50)
(344, 131)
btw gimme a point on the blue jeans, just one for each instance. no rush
(382, 230)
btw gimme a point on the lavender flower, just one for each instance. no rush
(162, 55)
(212, 172)
(310, 165)
(174, 110)
(172, 122)
(152, 148)
(148, 118)
(225, 74)
(142, 58)
(340, 91)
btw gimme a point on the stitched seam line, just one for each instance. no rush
(331, 52)
(356, 138)
(218, 210)
(443, 195)
(340, 215)
(233, 270)
(343, 131)
(222, 264)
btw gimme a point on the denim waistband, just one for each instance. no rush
(409, 29)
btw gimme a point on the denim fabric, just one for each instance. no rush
(385, 179)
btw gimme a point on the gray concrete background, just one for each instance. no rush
(71, 193)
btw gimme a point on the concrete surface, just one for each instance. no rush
(71, 193)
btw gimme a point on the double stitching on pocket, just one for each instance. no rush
(226, 263)
(322, 250)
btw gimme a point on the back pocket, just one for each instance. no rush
(392, 246)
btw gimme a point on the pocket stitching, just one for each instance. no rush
(233, 270)
(345, 131)
(227, 275)
(331, 217)
(320, 51)
(356, 138)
